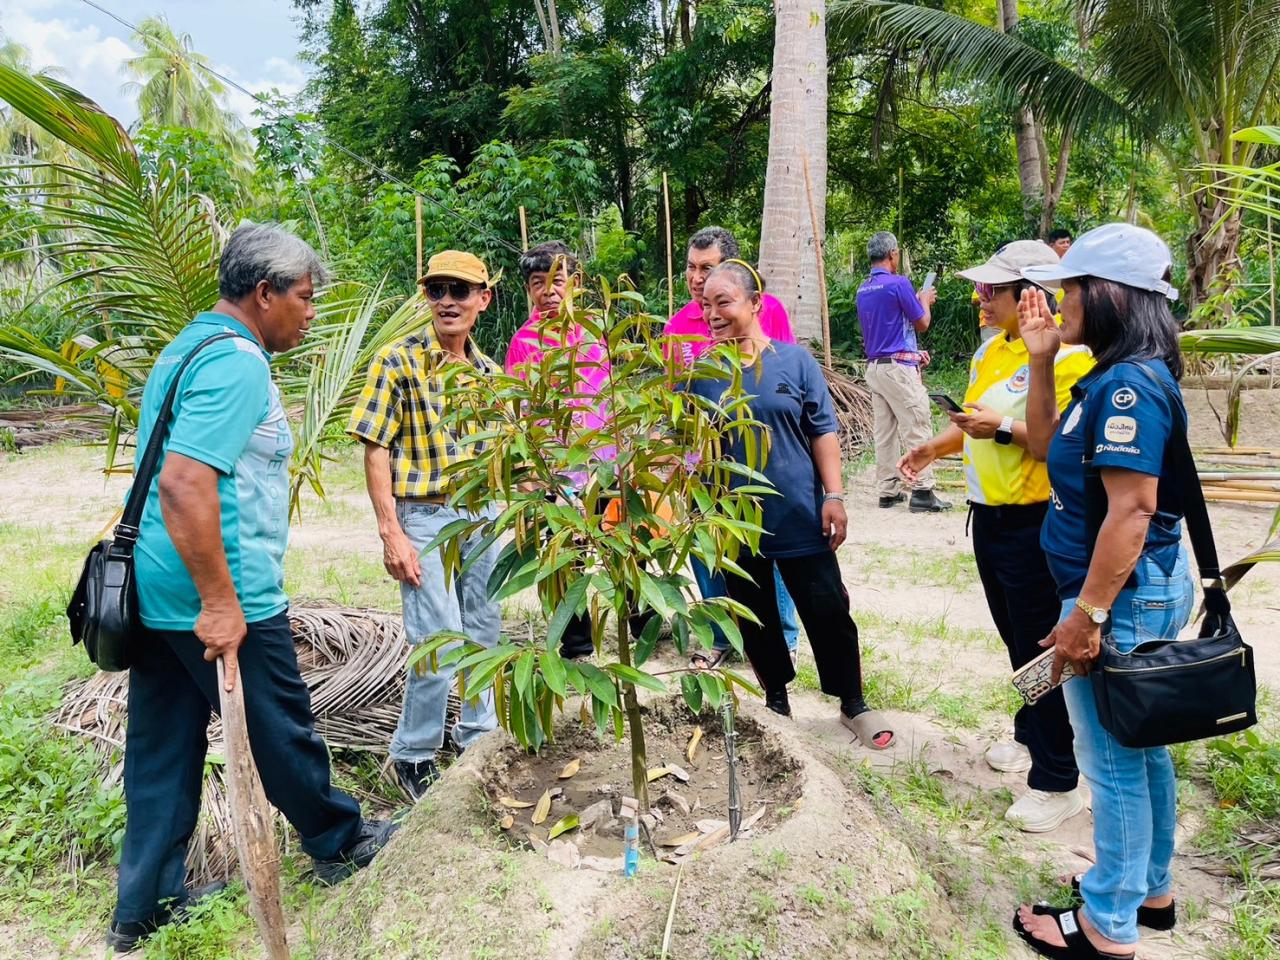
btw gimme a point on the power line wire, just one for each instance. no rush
(364, 161)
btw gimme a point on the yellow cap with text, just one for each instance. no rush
(456, 265)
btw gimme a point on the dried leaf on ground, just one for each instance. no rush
(694, 740)
(681, 840)
(543, 808)
(658, 772)
(507, 822)
(570, 768)
(511, 803)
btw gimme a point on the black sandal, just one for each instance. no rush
(1077, 946)
(1153, 918)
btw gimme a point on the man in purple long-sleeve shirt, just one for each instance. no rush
(891, 313)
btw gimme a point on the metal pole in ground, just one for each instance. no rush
(731, 759)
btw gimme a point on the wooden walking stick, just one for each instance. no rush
(671, 289)
(822, 266)
(254, 825)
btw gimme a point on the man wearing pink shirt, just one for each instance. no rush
(708, 248)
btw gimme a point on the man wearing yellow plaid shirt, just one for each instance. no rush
(406, 447)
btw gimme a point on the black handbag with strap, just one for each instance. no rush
(103, 613)
(1172, 691)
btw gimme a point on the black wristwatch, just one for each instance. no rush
(1004, 432)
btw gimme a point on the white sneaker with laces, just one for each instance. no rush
(1008, 757)
(1038, 811)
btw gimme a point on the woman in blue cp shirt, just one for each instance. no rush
(1131, 571)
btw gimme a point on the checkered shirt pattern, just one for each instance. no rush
(401, 408)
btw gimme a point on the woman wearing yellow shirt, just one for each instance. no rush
(1008, 497)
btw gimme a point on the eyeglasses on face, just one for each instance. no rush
(457, 289)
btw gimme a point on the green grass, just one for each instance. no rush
(921, 568)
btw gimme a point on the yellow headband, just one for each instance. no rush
(759, 283)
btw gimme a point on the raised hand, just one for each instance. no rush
(1035, 323)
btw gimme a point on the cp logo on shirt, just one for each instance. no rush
(1124, 398)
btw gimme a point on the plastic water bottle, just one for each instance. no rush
(631, 848)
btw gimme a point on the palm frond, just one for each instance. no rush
(1232, 340)
(353, 662)
(963, 49)
(327, 370)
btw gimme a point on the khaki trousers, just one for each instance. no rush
(900, 408)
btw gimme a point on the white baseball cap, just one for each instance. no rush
(1119, 252)
(1009, 264)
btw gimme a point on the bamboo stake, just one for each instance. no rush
(671, 288)
(671, 915)
(1249, 487)
(417, 218)
(254, 826)
(1237, 451)
(1240, 496)
(822, 265)
(524, 245)
(1209, 477)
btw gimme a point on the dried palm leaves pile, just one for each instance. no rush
(20, 429)
(353, 662)
(853, 410)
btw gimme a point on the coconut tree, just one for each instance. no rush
(797, 130)
(175, 88)
(1178, 75)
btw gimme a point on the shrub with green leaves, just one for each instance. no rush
(651, 487)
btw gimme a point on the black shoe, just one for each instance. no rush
(416, 778)
(126, 937)
(776, 700)
(926, 501)
(887, 502)
(373, 836)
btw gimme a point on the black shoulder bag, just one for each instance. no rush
(1171, 691)
(103, 612)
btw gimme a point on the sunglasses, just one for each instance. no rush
(988, 291)
(457, 289)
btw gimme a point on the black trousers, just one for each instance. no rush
(172, 690)
(1025, 607)
(822, 603)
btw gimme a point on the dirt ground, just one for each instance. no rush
(893, 854)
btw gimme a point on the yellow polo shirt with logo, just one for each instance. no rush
(999, 375)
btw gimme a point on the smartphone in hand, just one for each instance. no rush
(929, 281)
(946, 403)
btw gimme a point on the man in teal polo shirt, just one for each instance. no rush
(210, 576)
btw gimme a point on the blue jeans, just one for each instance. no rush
(1134, 794)
(713, 586)
(436, 605)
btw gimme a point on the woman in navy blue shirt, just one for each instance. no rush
(1130, 572)
(805, 521)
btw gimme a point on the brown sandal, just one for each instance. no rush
(709, 659)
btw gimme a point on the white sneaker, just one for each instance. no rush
(1008, 757)
(1038, 811)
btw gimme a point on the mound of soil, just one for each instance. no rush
(822, 877)
(689, 796)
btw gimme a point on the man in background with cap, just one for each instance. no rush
(891, 313)
(406, 448)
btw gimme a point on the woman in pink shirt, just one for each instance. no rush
(546, 269)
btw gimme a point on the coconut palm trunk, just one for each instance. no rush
(797, 126)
